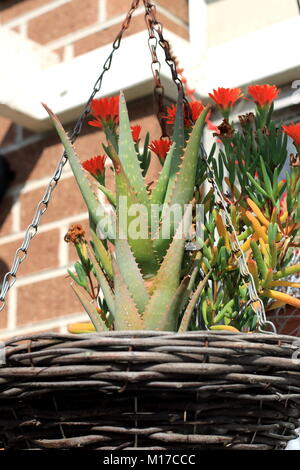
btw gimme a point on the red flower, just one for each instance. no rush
(196, 108)
(226, 97)
(293, 131)
(160, 147)
(105, 109)
(263, 94)
(136, 130)
(95, 165)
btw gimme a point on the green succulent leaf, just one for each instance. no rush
(127, 316)
(89, 308)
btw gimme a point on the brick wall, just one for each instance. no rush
(42, 298)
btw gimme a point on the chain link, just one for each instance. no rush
(156, 37)
(255, 301)
(21, 253)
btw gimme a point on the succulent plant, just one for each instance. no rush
(148, 278)
(147, 281)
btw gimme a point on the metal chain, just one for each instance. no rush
(21, 253)
(155, 29)
(255, 301)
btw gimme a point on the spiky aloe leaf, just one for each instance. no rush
(127, 316)
(89, 308)
(157, 315)
(159, 190)
(128, 155)
(191, 305)
(101, 254)
(179, 140)
(109, 194)
(104, 284)
(142, 246)
(89, 197)
(131, 273)
(183, 188)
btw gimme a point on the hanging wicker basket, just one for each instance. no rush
(150, 390)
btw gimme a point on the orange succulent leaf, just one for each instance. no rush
(286, 298)
(256, 226)
(81, 327)
(257, 212)
(224, 327)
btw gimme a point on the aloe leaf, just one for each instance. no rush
(179, 140)
(142, 247)
(109, 194)
(103, 282)
(131, 273)
(191, 305)
(89, 197)
(89, 308)
(126, 315)
(128, 156)
(183, 187)
(101, 254)
(157, 316)
(159, 191)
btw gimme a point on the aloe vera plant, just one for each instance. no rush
(137, 272)
(145, 279)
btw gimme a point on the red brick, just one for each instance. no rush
(179, 8)
(287, 321)
(45, 300)
(10, 9)
(116, 7)
(42, 254)
(5, 216)
(40, 159)
(63, 20)
(66, 201)
(107, 36)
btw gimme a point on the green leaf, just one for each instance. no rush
(183, 188)
(128, 155)
(142, 248)
(89, 308)
(179, 140)
(159, 191)
(126, 315)
(192, 303)
(103, 282)
(101, 254)
(131, 273)
(158, 315)
(89, 197)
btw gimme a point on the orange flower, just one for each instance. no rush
(160, 147)
(293, 131)
(196, 108)
(95, 165)
(105, 110)
(136, 130)
(226, 97)
(263, 94)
